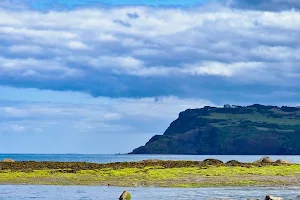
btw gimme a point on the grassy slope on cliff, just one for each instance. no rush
(253, 129)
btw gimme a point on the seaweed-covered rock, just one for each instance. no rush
(150, 161)
(125, 196)
(8, 160)
(212, 162)
(265, 159)
(234, 163)
(279, 161)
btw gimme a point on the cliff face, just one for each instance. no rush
(237, 130)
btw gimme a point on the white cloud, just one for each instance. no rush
(164, 108)
(222, 69)
(75, 45)
(149, 52)
(107, 37)
(17, 128)
(117, 62)
(34, 67)
(37, 34)
(108, 115)
(13, 111)
(26, 49)
(112, 116)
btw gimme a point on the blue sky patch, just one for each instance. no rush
(70, 4)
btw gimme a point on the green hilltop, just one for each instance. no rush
(231, 130)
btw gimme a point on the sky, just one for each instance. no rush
(104, 76)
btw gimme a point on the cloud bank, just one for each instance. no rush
(99, 127)
(271, 5)
(120, 51)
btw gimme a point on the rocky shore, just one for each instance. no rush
(73, 167)
(158, 173)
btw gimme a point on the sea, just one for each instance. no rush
(37, 192)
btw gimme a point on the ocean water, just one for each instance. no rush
(131, 158)
(8, 192)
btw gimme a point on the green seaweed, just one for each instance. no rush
(158, 175)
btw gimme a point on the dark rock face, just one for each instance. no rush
(256, 129)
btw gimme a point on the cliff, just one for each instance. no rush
(232, 130)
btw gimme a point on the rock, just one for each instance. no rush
(134, 184)
(8, 160)
(234, 163)
(212, 162)
(125, 196)
(279, 161)
(150, 161)
(270, 197)
(265, 159)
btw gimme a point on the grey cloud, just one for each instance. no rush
(271, 5)
(134, 51)
(133, 15)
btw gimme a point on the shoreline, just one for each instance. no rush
(151, 173)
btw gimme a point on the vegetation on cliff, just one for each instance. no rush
(232, 130)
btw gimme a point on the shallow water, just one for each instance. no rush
(130, 158)
(9, 192)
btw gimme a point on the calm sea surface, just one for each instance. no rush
(25, 192)
(129, 158)
(8, 192)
